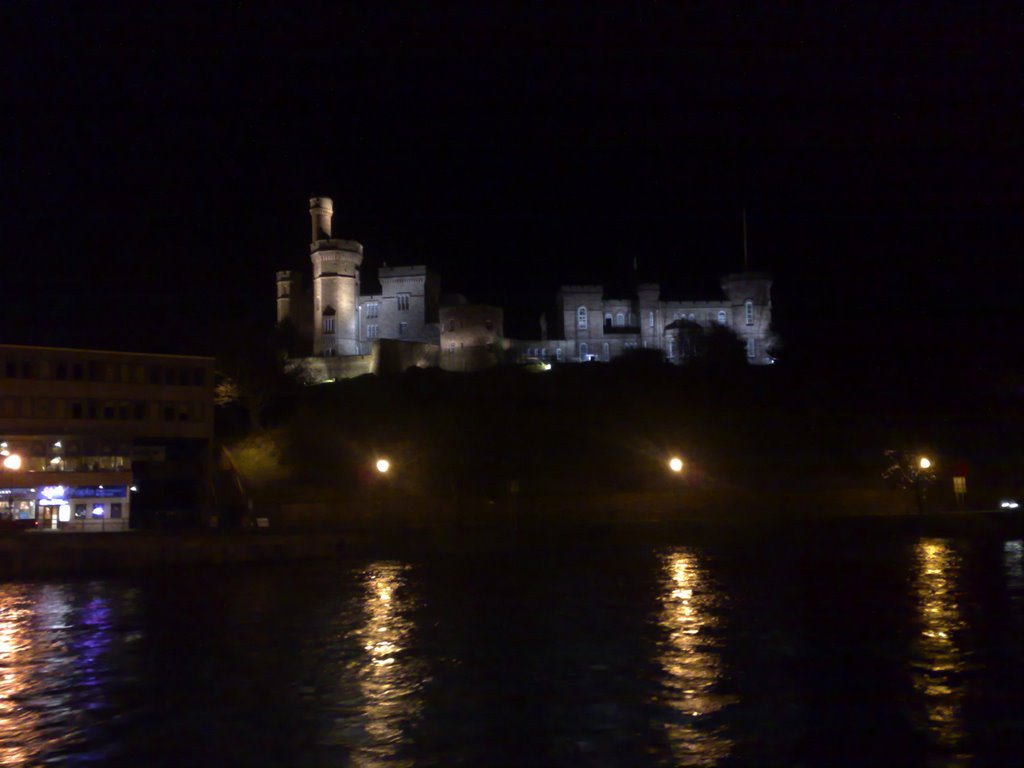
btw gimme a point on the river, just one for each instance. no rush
(755, 651)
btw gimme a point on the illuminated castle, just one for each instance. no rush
(338, 331)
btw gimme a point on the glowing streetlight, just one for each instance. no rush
(924, 462)
(383, 465)
(675, 464)
(12, 461)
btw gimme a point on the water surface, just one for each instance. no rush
(758, 651)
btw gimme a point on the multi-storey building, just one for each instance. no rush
(80, 429)
(400, 323)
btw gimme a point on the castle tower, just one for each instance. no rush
(285, 289)
(335, 285)
(750, 298)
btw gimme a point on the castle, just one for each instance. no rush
(337, 331)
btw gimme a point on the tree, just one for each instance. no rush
(250, 373)
(910, 471)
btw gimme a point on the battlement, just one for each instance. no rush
(336, 245)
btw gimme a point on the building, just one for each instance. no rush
(337, 331)
(79, 429)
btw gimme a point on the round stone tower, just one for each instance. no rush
(285, 287)
(335, 285)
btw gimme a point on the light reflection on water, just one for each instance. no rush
(940, 662)
(389, 679)
(53, 673)
(692, 666)
(392, 664)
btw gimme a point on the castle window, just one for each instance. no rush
(749, 310)
(581, 318)
(583, 350)
(403, 302)
(650, 319)
(371, 331)
(721, 317)
(751, 348)
(372, 309)
(620, 319)
(558, 354)
(403, 328)
(451, 346)
(607, 319)
(606, 352)
(328, 320)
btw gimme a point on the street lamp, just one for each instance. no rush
(675, 464)
(924, 464)
(383, 465)
(12, 461)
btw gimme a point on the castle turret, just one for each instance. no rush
(321, 211)
(750, 298)
(285, 289)
(335, 285)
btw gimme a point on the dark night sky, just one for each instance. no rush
(157, 161)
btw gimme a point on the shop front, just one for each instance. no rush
(66, 508)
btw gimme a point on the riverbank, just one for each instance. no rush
(41, 555)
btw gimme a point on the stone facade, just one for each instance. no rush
(335, 319)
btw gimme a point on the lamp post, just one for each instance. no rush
(923, 465)
(675, 465)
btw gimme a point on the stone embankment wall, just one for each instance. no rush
(30, 555)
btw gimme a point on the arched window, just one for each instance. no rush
(620, 319)
(751, 348)
(328, 320)
(583, 350)
(581, 318)
(606, 352)
(607, 319)
(721, 317)
(749, 310)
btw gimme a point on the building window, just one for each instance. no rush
(620, 319)
(558, 354)
(581, 318)
(671, 348)
(584, 350)
(751, 348)
(372, 309)
(606, 352)
(650, 319)
(403, 302)
(607, 319)
(371, 331)
(749, 310)
(403, 327)
(721, 317)
(328, 320)
(451, 347)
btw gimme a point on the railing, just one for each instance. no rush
(92, 526)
